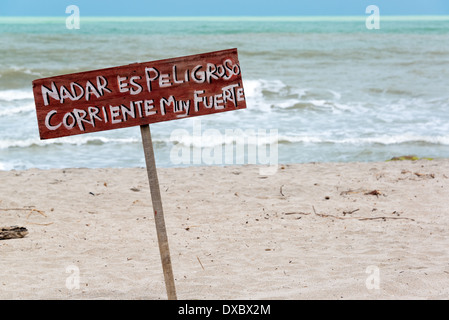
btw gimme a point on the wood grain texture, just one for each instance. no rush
(139, 94)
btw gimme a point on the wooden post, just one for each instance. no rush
(158, 212)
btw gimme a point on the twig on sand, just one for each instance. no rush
(385, 218)
(38, 211)
(303, 213)
(200, 262)
(26, 208)
(32, 210)
(350, 212)
(15, 209)
(359, 218)
(325, 215)
(280, 190)
(40, 224)
(374, 193)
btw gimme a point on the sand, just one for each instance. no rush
(310, 231)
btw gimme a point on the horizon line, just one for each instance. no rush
(244, 17)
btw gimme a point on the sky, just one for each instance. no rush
(159, 8)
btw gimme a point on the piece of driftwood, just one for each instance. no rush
(12, 232)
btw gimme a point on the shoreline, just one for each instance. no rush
(405, 158)
(310, 231)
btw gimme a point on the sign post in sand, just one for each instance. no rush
(137, 95)
(158, 211)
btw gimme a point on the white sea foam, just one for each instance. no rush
(382, 139)
(216, 138)
(78, 140)
(6, 111)
(213, 138)
(289, 103)
(266, 95)
(25, 70)
(254, 96)
(16, 94)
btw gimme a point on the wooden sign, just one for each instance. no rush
(138, 94)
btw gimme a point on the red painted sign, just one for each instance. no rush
(139, 94)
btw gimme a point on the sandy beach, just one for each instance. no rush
(310, 231)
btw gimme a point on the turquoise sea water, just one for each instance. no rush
(333, 90)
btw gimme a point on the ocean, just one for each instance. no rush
(318, 89)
